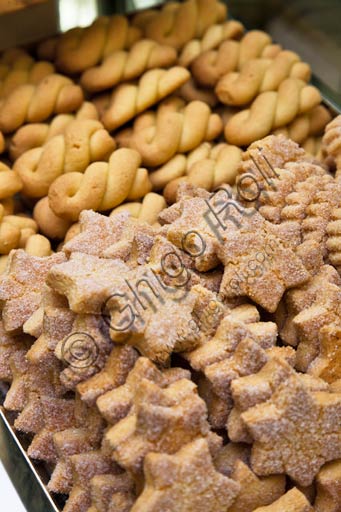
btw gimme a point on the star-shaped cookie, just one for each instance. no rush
(293, 501)
(184, 482)
(328, 483)
(295, 432)
(161, 420)
(21, 286)
(255, 491)
(328, 363)
(120, 362)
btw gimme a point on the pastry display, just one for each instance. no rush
(170, 262)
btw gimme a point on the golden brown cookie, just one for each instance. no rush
(311, 423)
(230, 56)
(292, 501)
(81, 48)
(55, 94)
(328, 483)
(21, 286)
(271, 110)
(101, 187)
(213, 37)
(178, 23)
(184, 482)
(82, 142)
(260, 75)
(122, 66)
(174, 128)
(35, 135)
(128, 100)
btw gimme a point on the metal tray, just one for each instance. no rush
(28, 478)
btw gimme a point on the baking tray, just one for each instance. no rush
(30, 477)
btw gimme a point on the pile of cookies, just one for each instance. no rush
(125, 110)
(170, 334)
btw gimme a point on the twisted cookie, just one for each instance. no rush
(36, 134)
(260, 75)
(102, 187)
(24, 71)
(35, 245)
(10, 182)
(306, 125)
(212, 38)
(49, 223)
(313, 146)
(122, 66)
(82, 48)
(184, 165)
(55, 94)
(14, 231)
(190, 91)
(217, 167)
(270, 111)
(174, 128)
(177, 23)
(8, 205)
(82, 143)
(331, 142)
(211, 65)
(11, 58)
(129, 100)
(46, 49)
(147, 211)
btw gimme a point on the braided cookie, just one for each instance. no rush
(271, 110)
(313, 146)
(55, 94)
(306, 125)
(331, 142)
(174, 128)
(142, 18)
(211, 65)
(220, 166)
(46, 49)
(35, 245)
(122, 66)
(11, 58)
(183, 165)
(26, 71)
(8, 205)
(36, 134)
(48, 222)
(190, 91)
(82, 143)
(260, 75)
(14, 231)
(73, 231)
(2, 143)
(82, 48)
(102, 186)
(147, 211)
(38, 245)
(177, 23)
(212, 38)
(10, 182)
(129, 100)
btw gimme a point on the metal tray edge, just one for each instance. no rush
(22, 472)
